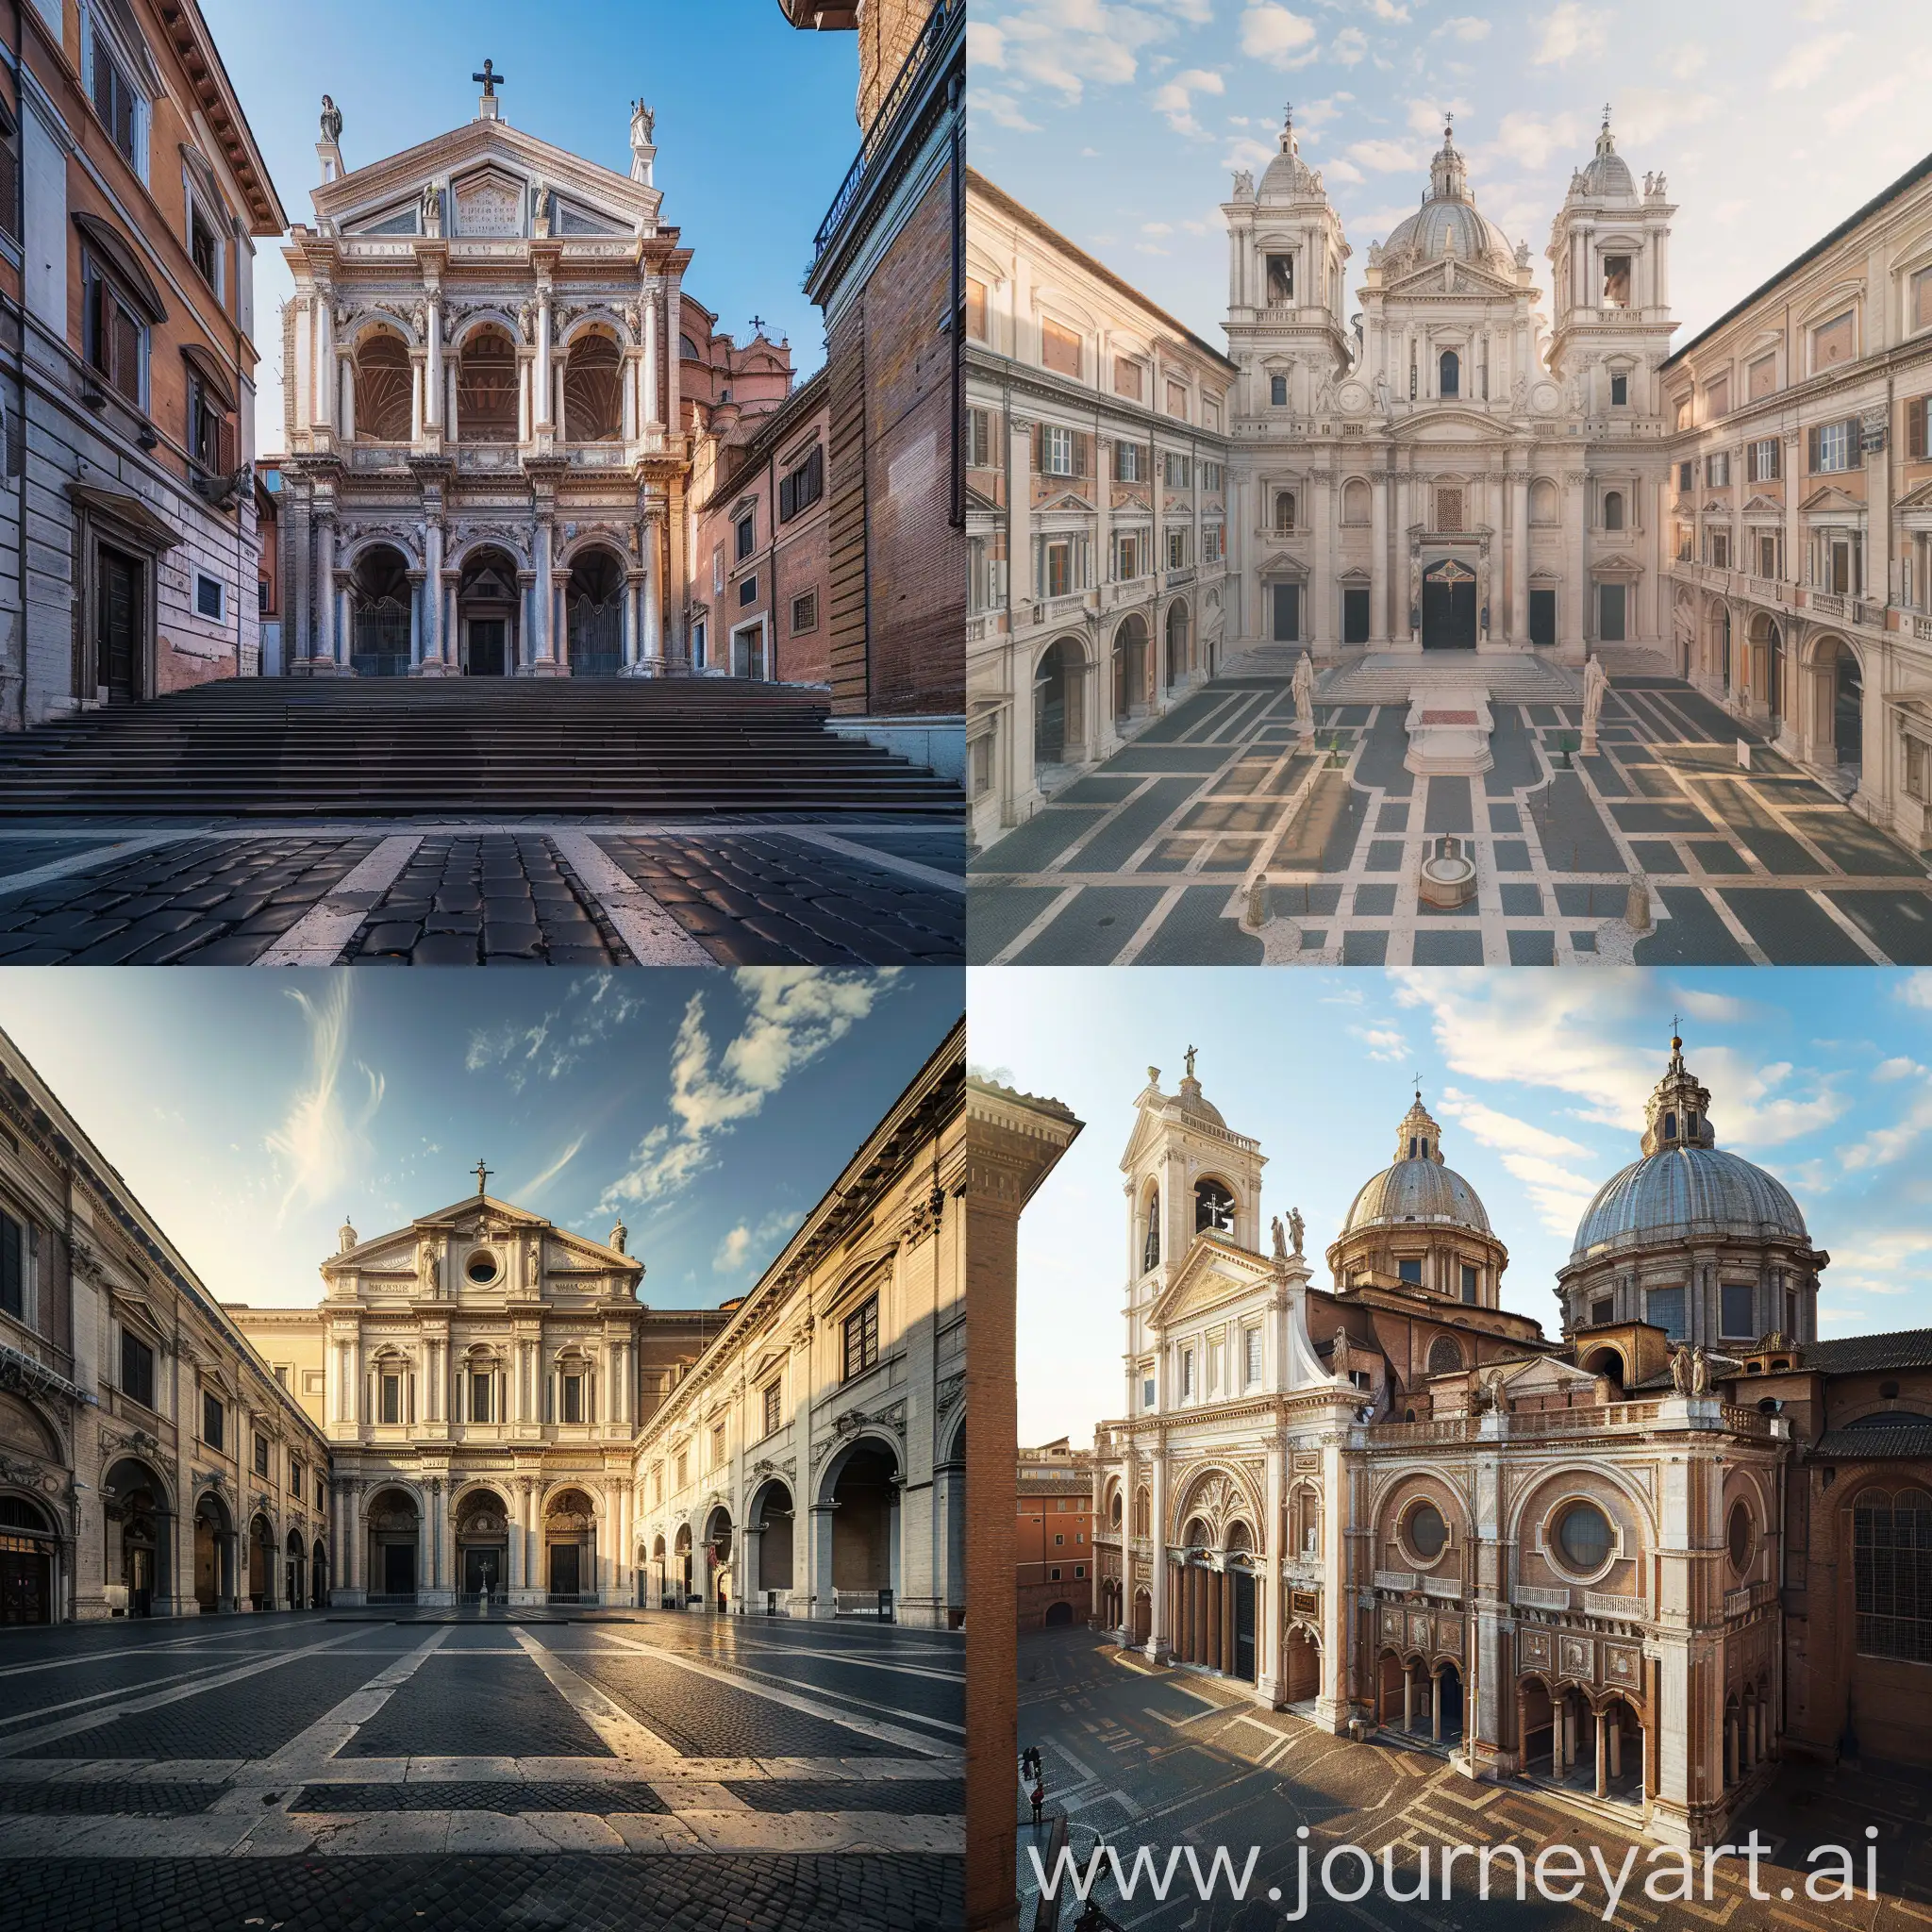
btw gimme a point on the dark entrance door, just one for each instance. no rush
(399, 1569)
(25, 1593)
(1848, 712)
(486, 639)
(1287, 613)
(564, 1570)
(1355, 616)
(117, 621)
(1244, 1626)
(1049, 712)
(482, 1567)
(140, 1582)
(1449, 606)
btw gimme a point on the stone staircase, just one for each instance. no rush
(1388, 677)
(395, 748)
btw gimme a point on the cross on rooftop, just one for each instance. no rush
(490, 79)
(758, 321)
(482, 1174)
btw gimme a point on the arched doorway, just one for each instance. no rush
(1445, 1713)
(770, 1538)
(1143, 1616)
(1767, 667)
(1604, 1361)
(318, 1577)
(593, 614)
(863, 1490)
(681, 1555)
(482, 1533)
(949, 1484)
(1058, 727)
(1301, 1666)
(214, 1577)
(1241, 1650)
(659, 1581)
(1839, 719)
(718, 1592)
(294, 1566)
(1129, 668)
(487, 388)
(1448, 607)
(594, 389)
(487, 605)
(1059, 1616)
(28, 1560)
(136, 1519)
(394, 1528)
(381, 598)
(570, 1548)
(261, 1564)
(1178, 660)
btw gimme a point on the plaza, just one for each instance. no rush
(1150, 859)
(309, 1770)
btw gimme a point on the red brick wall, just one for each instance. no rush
(1037, 1520)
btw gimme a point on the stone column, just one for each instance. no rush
(417, 593)
(1322, 589)
(1159, 1610)
(541, 419)
(544, 652)
(1378, 553)
(633, 581)
(1270, 1623)
(629, 396)
(435, 659)
(824, 1602)
(324, 377)
(649, 374)
(324, 643)
(653, 600)
(1519, 558)
(345, 388)
(1603, 1757)
(432, 371)
(674, 409)
(1575, 626)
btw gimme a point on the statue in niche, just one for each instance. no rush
(540, 206)
(332, 121)
(1519, 392)
(432, 208)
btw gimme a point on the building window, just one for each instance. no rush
(1620, 391)
(1080, 1570)
(748, 589)
(976, 310)
(1410, 1271)
(1835, 446)
(571, 1405)
(212, 1418)
(860, 1335)
(1687, 477)
(114, 338)
(480, 1388)
(1616, 282)
(747, 535)
(1127, 378)
(1277, 391)
(294, 1477)
(1055, 1572)
(1919, 309)
(204, 245)
(1613, 510)
(1128, 557)
(1718, 545)
(1761, 459)
(1584, 1539)
(261, 1454)
(1834, 341)
(119, 103)
(805, 612)
(1735, 1310)
(1602, 1313)
(1280, 281)
(1059, 349)
(1424, 1531)
(1059, 1539)
(1055, 450)
(1147, 1392)
(1213, 1209)
(12, 1267)
(1918, 768)
(1284, 513)
(1469, 1280)
(208, 600)
(389, 1408)
(1251, 1355)
(979, 454)
(1663, 1308)
(1611, 602)
(1176, 471)
(774, 1416)
(1449, 373)
(802, 486)
(1177, 400)
(1891, 1568)
(1716, 469)
(1448, 510)
(1177, 550)
(136, 1370)
(717, 1446)
(1187, 1374)
(1127, 464)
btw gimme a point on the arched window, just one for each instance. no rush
(1283, 511)
(1891, 1568)
(1140, 1507)
(1114, 1510)
(594, 391)
(1613, 510)
(1213, 1209)
(1355, 501)
(1451, 372)
(1542, 501)
(382, 388)
(1444, 1356)
(487, 390)
(1150, 1255)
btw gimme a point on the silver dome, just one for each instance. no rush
(1608, 178)
(1416, 1190)
(1688, 1193)
(1428, 231)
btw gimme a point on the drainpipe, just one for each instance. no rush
(956, 181)
(19, 212)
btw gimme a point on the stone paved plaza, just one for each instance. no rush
(1169, 1757)
(759, 892)
(313, 1771)
(1147, 859)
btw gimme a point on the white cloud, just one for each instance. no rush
(986, 46)
(1466, 26)
(1426, 117)
(1689, 61)
(1504, 1131)
(1388, 10)
(324, 1136)
(1529, 142)
(1269, 32)
(1344, 171)
(1175, 99)
(1916, 988)
(1807, 62)
(1349, 46)
(528, 1189)
(1383, 1042)
(1898, 1068)
(731, 1255)
(1568, 30)
(1002, 111)
(1881, 1146)
(1384, 156)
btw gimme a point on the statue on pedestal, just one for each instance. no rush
(1304, 695)
(1595, 683)
(332, 121)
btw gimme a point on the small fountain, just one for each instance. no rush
(1448, 874)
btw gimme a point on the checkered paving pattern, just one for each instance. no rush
(1149, 860)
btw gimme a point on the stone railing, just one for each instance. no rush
(1922, 630)
(1454, 1428)
(1054, 610)
(1604, 1603)
(1394, 1579)
(1747, 1597)
(1534, 1596)
(1747, 1422)
(1571, 1422)
(1449, 1587)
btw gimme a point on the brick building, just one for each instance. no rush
(886, 270)
(1054, 1529)
(134, 193)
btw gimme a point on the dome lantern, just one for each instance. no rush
(1678, 1111)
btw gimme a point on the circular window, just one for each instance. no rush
(1583, 1537)
(481, 1267)
(1738, 1533)
(1426, 1532)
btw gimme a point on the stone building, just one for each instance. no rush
(1390, 1499)
(1445, 470)
(151, 1464)
(811, 1461)
(1097, 511)
(1800, 517)
(480, 1376)
(128, 540)
(1054, 1527)
(762, 585)
(496, 388)
(886, 272)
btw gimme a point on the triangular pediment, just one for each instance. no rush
(1446, 422)
(1543, 1376)
(1283, 565)
(1070, 500)
(1830, 497)
(1214, 1274)
(1761, 506)
(1920, 498)
(1617, 560)
(1457, 275)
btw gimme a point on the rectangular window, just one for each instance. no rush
(1174, 470)
(294, 1477)
(1059, 349)
(117, 102)
(1603, 1313)
(204, 246)
(1917, 445)
(1834, 448)
(1177, 550)
(1918, 768)
(208, 600)
(976, 310)
(1251, 1355)
(774, 1416)
(1686, 476)
(1891, 1571)
(1187, 1373)
(1468, 1283)
(1177, 400)
(480, 1388)
(1277, 391)
(1127, 378)
(717, 567)
(1717, 399)
(1147, 1392)
(683, 1468)
(1059, 1540)
(1920, 309)
(860, 1335)
(390, 1399)
(1737, 1312)
(1718, 546)
(1760, 379)
(805, 612)
(282, 1373)
(1716, 469)
(1767, 555)
(717, 1446)
(1834, 341)
(978, 445)
(748, 589)
(1127, 562)
(1663, 1308)
(1448, 510)
(747, 532)
(570, 1407)
(1616, 282)
(801, 486)
(113, 337)
(1080, 1570)
(1280, 281)
(1410, 1271)
(1055, 450)
(136, 1370)
(1763, 461)
(1355, 615)
(1620, 391)
(12, 1267)
(1129, 464)
(1543, 617)
(261, 1454)
(1055, 1574)
(1609, 610)
(212, 1418)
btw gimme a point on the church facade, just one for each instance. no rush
(1446, 470)
(497, 388)
(1385, 1500)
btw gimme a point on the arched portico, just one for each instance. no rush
(480, 1518)
(682, 1591)
(294, 1571)
(263, 1553)
(137, 1521)
(594, 604)
(489, 613)
(720, 1545)
(214, 1554)
(1832, 717)
(570, 1547)
(384, 631)
(949, 1505)
(857, 1530)
(31, 1582)
(318, 1575)
(1130, 669)
(393, 1527)
(769, 1574)
(1059, 712)
(1179, 656)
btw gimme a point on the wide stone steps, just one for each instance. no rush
(264, 747)
(1385, 679)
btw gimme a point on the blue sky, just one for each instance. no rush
(1121, 120)
(250, 1112)
(1538, 1079)
(755, 123)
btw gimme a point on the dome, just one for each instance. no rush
(1607, 177)
(1289, 178)
(1191, 1101)
(1417, 1186)
(1447, 221)
(1685, 1187)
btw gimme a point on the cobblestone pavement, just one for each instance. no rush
(1172, 1758)
(326, 1771)
(1148, 861)
(778, 892)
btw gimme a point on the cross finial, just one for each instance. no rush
(482, 1174)
(1606, 113)
(758, 321)
(1191, 1052)
(1418, 1086)
(490, 79)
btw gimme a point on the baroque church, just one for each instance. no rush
(1640, 1563)
(497, 391)
(1444, 471)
